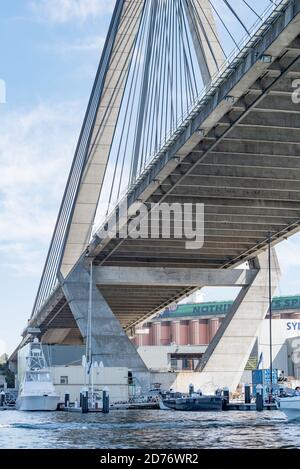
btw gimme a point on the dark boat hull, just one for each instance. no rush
(201, 404)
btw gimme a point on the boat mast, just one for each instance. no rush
(270, 311)
(89, 357)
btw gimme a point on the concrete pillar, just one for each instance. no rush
(106, 120)
(110, 343)
(224, 362)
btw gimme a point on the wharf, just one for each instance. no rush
(125, 406)
(135, 406)
(242, 407)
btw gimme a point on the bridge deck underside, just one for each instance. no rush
(60, 326)
(249, 183)
(131, 304)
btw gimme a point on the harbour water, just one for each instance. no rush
(147, 430)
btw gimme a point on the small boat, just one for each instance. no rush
(290, 406)
(37, 392)
(194, 403)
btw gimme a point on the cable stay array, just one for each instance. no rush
(180, 49)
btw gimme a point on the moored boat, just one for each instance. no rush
(290, 406)
(194, 403)
(37, 392)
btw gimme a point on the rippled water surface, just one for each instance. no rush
(148, 429)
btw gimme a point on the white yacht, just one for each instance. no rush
(37, 392)
(290, 406)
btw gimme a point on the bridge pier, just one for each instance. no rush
(224, 362)
(225, 359)
(110, 343)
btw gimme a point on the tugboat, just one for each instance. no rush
(194, 402)
(37, 392)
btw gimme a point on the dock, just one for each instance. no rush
(122, 406)
(136, 406)
(242, 407)
(10, 407)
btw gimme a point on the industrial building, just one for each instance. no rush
(177, 339)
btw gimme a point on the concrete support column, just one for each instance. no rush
(226, 357)
(115, 77)
(110, 343)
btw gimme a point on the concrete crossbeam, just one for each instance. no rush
(175, 277)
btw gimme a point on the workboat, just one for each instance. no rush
(290, 406)
(194, 403)
(37, 392)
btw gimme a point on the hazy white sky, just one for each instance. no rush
(49, 53)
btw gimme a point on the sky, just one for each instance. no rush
(49, 51)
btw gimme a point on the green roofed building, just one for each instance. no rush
(179, 336)
(221, 308)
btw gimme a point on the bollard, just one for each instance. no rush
(67, 400)
(2, 399)
(259, 398)
(105, 408)
(85, 402)
(191, 389)
(225, 401)
(247, 394)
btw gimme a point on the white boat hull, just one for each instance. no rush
(290, 406)
(37, 403)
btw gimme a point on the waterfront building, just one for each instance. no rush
(176, 339)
